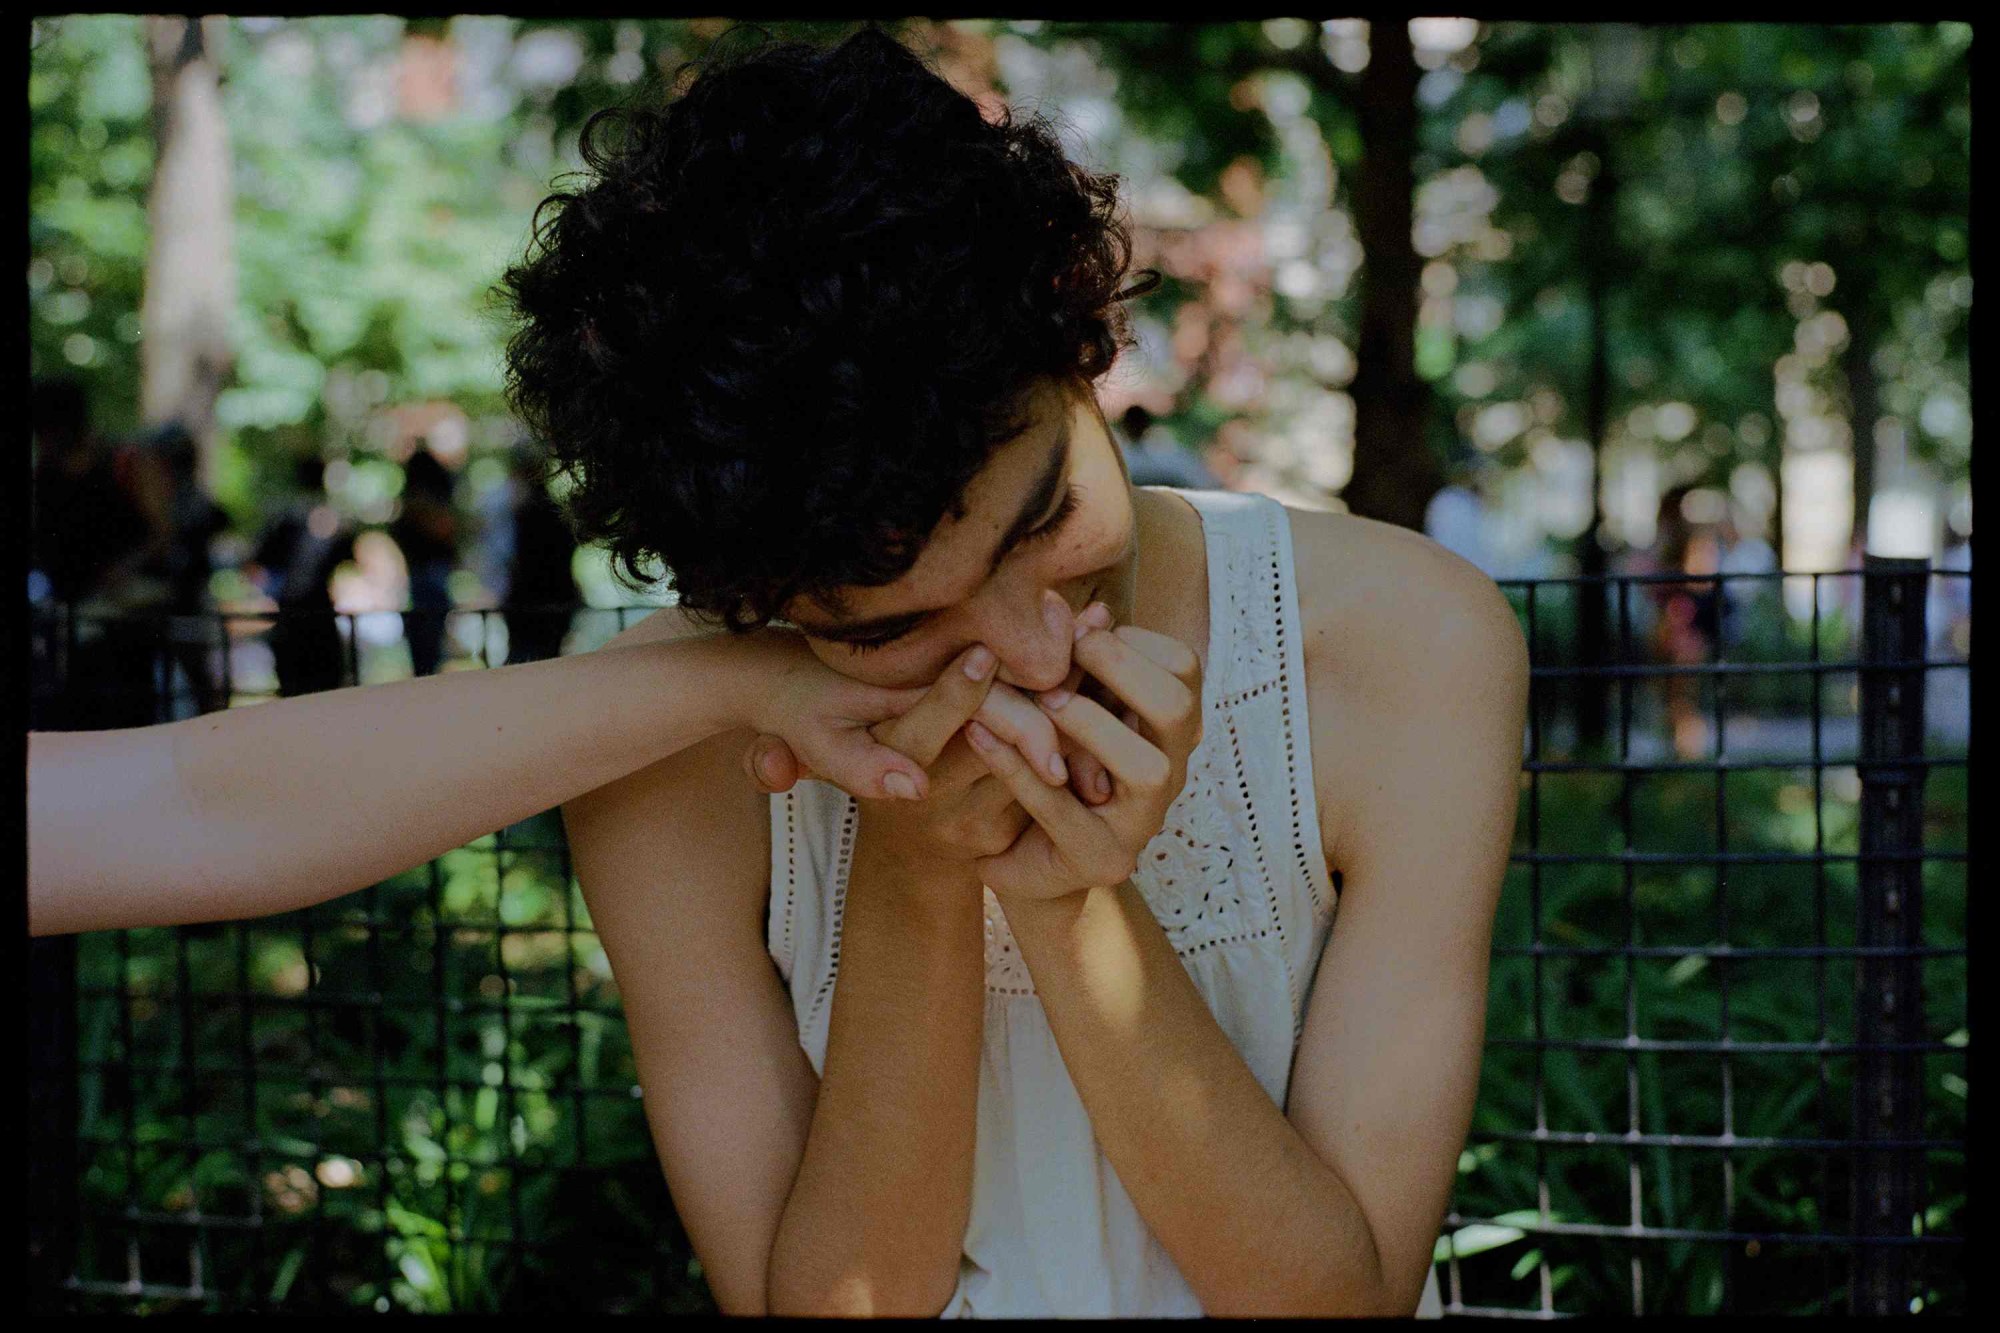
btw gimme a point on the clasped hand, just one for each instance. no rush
(1026, 834)
(987, 787)
(1071, 846)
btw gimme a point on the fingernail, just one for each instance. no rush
(979, 662)
(1101, 783)
(1056, 611)
(1053, 700)
(900, 786)
(981, 738)
(767, 767)
(1057, 769)
(1098, 614)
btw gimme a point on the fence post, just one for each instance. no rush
(52, 1114)
(1888, 999)
(51, 1148)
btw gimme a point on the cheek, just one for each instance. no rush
(1097, 536)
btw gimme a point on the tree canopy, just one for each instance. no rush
(1787, 235)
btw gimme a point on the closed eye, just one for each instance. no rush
(870, 645)
(1053, 524)
(1071, 498)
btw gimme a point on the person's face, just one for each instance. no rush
(1052, 509)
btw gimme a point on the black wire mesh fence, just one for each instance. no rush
(1727, 1030)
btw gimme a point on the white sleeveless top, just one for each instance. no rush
(1236, 878)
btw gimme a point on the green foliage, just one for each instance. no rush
(90, 161)
(366, 252)
(1175, 80)
(1745, 147)
(1698, 1094)
(368, 242)
(468, 1026)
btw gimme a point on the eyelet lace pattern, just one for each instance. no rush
(1238, 856)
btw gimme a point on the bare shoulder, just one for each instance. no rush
(693, 818)
(1376, 599)
(1384, 611)
(674, 863)
(662, 626)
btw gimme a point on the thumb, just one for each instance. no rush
(771, 765)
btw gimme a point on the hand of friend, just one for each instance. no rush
(815, 723)
(1013, 716)
(967, 813)
(1071, 846)
(775, 766)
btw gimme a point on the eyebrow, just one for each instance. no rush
(1034, 508)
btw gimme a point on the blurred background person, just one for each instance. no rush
(100, 514)
(1744, 551)
(1687, 616)
(427, 531)
(185, 564)
(1156, 458)
(1950, 609)
(100, 520)
(541, 590)
(294, 564)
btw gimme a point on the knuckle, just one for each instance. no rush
(1003, 730)
(1115, 867)
(1153, 770)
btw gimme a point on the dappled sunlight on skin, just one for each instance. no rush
(1118, 980)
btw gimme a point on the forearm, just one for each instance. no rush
(1257, 1223)
(276, 807)
(876, 1219)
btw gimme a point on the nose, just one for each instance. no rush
(1032, 637)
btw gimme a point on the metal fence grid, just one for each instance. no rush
(1725, 1065)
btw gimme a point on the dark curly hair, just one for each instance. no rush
(793, 311)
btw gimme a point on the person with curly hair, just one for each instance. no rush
(1079, 1033)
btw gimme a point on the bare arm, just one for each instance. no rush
(1387, 1069)
(848, 1195)
(291, 803)
(1332, 1207)
(674, 862)
(875, 1224)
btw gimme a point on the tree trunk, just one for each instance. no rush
(1593, 599)
(190, 298)
(1864, 400)
(1395, 470)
